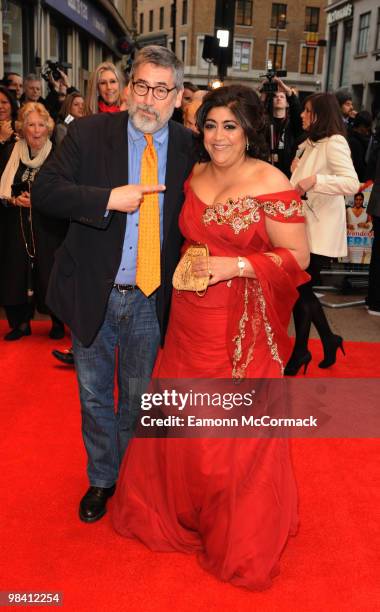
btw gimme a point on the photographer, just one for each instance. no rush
(58, 84)
(285, 124)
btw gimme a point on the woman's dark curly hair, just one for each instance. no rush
(245, 104)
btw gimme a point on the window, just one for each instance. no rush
(242, 55)
(151, 21)
(344, 80)
(84, 51)
(183, 49)
(202, 64)
(311, 19)
(13, 41)
(308, 58)
(141, 23)
(54, 43)
(98, 54)
(172, 15)
(184, 12)
(58, 41)
(278, 19)
(363, 33)
(162, 13)
(244, 12)
(276, 56)
(377, 41)
(331, 57)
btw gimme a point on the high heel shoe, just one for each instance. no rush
(295, 363)
(330, 349)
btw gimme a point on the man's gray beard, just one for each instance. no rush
(144, 124)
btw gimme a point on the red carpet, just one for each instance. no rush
(332, 565)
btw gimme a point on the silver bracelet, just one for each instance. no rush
(241, 265)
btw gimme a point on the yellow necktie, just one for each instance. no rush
(148, 276)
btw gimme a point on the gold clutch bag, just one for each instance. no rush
(183, 278)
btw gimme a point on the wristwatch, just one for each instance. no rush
(241, 265)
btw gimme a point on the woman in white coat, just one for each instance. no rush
(322, 173)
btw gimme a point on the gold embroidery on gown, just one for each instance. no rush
(275, 258)
(240, 214)
(244, 211)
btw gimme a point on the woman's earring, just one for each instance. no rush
(247, 145)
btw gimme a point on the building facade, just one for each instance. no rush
(353, 51)
(284, 33)
(78, 32)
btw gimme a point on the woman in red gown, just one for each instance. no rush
(232, 501)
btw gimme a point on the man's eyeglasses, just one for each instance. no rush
(159, 91)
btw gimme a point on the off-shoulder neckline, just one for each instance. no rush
(274, 195)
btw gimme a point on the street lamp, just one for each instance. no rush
(215, 84)
(280, 24)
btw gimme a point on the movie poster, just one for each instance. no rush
(359, 228)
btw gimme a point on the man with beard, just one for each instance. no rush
(119, 178)
(344, 98)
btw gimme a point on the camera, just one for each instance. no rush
(270, 87)
(52, 68)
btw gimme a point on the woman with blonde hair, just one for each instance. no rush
(29, 238)
(104, 90)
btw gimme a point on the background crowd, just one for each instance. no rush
(28, 242)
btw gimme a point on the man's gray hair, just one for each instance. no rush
(160, 56)
(30, 77)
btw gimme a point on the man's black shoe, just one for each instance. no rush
(57, 331)
(18, 332)
(94, 504)
(65, 356)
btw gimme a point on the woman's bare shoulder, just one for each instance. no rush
(271, 177)
(199, 168)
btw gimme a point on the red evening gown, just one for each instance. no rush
(232, 501)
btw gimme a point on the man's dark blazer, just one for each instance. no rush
(76, 184)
